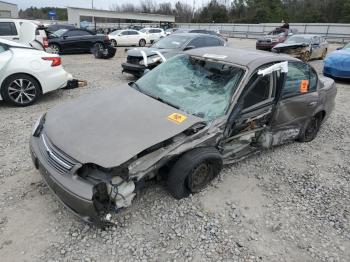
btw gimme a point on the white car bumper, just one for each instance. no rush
(54, 79)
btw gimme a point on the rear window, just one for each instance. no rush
(7, 28)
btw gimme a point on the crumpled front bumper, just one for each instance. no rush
(136, 70)
(71, 190)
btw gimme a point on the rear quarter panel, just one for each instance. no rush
(327, 94)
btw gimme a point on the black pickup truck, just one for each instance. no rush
(76, 40)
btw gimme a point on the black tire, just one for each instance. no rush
(311, 129)
(114, 43)
(186, 176)
(20, 90)
(142, 42)
(55, 48)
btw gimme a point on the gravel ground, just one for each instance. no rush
(291, 203)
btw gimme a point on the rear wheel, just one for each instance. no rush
(20, 90)
(142, 42)
(311, 129)
(194, 171)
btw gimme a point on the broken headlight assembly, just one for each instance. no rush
(112, 188)
(38, 126)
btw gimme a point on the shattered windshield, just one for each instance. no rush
(194, 85)
(171, 42)
(347, 46)
(298, 39)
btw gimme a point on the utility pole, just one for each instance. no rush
(93, 17)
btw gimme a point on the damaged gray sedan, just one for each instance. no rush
(182, 121)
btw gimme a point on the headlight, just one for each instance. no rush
(151, 60)
(38, 126)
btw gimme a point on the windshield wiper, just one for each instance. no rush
(165, 102)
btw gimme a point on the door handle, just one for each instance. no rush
(312, 104)
(15, 38)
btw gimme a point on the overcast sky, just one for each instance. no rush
(99, 4)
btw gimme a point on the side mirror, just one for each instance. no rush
(189, 47)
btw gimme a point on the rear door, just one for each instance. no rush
(299, 98)
(9, 31)
(123, 38)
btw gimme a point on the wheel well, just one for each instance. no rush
(3, 83)
(321, 114)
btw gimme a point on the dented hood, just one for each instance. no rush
(113, 126)
(149, 51)
(284, 46)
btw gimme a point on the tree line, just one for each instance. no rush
(229, 11)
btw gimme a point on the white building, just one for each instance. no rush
(8, 10)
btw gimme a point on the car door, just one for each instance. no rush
(70, 41)
(133, 37)
(123, 38)
(299, 98)
(250, 117)
(5, 57)
(9, 31)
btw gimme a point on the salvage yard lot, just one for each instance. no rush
(291, 203)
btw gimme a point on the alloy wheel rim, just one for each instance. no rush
(55, 49)
(22, 91)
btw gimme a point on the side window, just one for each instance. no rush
(151, 31)
(157, 31)
(125, 33)
(211, 41)
(8, 28)
(71, 33)
(262, 91)
(82, 32)
(198, 42)
(301, 78)
(133, 33)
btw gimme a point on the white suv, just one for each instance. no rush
(10, 29)
(154, 34)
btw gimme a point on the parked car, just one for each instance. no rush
(140, 60)
(10, 29)
(275, 37)
(76, 41)
(305, 47)
(169, 31)
(337, 63)
(128, 37)
(200, 31)
(154, 34)
(181, 121)
(27, 73)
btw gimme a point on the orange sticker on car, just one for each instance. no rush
(177, 118)
(304, 86)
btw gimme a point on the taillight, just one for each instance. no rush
(56, 61)
(45, 42)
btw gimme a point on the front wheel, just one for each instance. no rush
(193, 171)
(306, 56)
(142, 42)
(54, 49)
(20, 90)
(114, 43)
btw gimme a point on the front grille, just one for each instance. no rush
(58, 160)
(134, 60)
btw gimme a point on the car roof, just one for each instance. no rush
(306, 35)
(244, 57)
